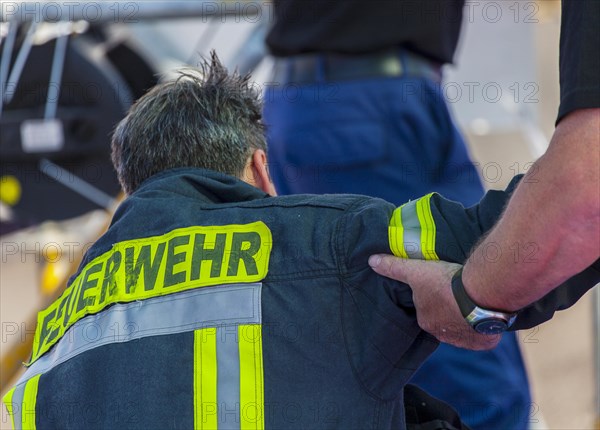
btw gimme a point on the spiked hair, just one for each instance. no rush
(204, 118)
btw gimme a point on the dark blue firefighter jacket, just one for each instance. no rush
(208, 304)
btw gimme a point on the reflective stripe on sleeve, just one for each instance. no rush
(396, 234)
(412, 230)
(427, 228)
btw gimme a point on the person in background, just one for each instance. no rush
(556, 207)
(355, 106)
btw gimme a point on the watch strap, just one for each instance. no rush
(465, 304)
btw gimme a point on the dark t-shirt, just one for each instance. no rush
(579, 56)
(428, 27)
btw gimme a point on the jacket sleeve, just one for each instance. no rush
(384, 342)
(434, 228)
(562, 297)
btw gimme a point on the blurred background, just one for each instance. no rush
(69, 73)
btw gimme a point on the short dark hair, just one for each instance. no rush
(205, 118)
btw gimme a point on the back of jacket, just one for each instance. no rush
(208, 304)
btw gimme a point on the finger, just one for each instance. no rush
(400, 269)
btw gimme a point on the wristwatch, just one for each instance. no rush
(484, 321)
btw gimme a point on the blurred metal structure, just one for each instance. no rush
(68, 73)
(126, 11)
(61, 100)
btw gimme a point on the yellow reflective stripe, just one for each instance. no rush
(396, 234)
(180, 260)
(427, 227)
(29, 402)
(205, 379)
(252, 402)
(7, 400)
(420, 222)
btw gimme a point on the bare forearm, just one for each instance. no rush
(551, 227)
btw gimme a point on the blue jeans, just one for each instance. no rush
(393, 138)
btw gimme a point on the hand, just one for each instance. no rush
(437, 311)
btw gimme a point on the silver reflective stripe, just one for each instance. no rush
(174, 313)
(228, 378)
(412, 230)
(17, 405)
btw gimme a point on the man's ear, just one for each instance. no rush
(260, 172)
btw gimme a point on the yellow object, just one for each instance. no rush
(215, 352)
(205, 379)
(427, 227)
(53, 275)
(252, 402)
(7, 400)
(412, 230)
(10, 190)
(21, 407)
(396, 234)
(29, 403)
(55, 270)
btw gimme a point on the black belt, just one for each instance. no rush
(312, 68)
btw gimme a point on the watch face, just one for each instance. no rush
(490, 326)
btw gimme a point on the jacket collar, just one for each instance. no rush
(202, 184)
